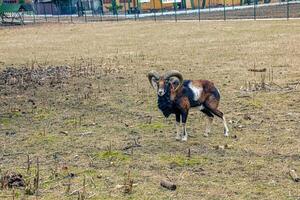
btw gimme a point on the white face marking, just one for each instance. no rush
(161, 92)
(196, 90)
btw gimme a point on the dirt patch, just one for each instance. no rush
(34, 76)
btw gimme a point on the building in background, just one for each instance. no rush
(81, 7)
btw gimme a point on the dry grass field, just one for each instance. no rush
(76, 98)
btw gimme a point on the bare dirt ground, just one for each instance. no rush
(77, 112)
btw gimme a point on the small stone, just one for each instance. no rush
(247, 117)
(119, 186)
(64, 132)
(222, 147)
(99, 176)
(234, 136)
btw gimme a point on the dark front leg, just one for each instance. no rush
(184, 116)
(177, 125)
(177, 117)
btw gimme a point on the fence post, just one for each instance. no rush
(288, 9)
(45, 12)
(33, 17)
(161, 8)
(224, 10)
(84, 11)
(254, 9)
(175, 9)
(93, 9)
(199, 10)
(58, 11)
(101, 13)
(125, 9)
(70, 5)
(154, 10)
(51, 6)
(138, 9)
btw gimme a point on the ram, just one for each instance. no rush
(177, 96)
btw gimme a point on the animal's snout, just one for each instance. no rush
(160, 92)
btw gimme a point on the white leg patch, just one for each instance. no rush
(178, 134)
(226, 130)
(208, 126)
(184, 133)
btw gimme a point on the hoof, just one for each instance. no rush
(226, 134)
(178, 137)
(184, 138)
(205, 134)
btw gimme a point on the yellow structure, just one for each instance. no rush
(147, 6)
(214, 3)
(158, 5)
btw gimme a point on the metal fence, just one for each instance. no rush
(253, 9)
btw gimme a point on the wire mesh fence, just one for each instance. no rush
(157, 10)
(99, 10)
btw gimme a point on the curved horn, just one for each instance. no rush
(176, 74)
(153, 74)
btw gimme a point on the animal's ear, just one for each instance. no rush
(174, 82)
(153, 82)
(172, 86)
(153, 77)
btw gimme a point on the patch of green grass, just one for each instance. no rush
(255, 103)
(16, 114)
(41, 139)
(71, 121)
(112, 155)
(5, 121)
(43, 114)
(152, 126)
(12, 116)
(183, 161)
(90, 172)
